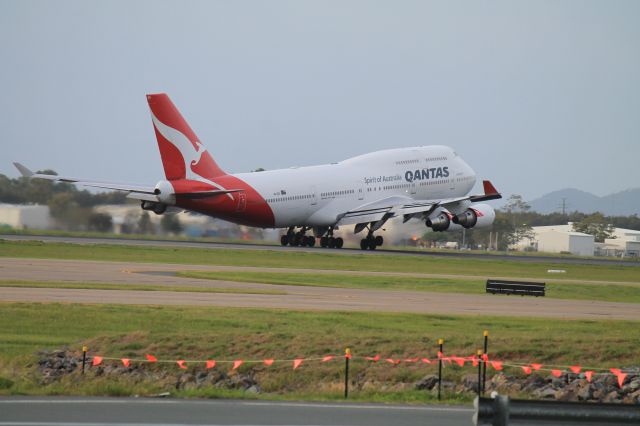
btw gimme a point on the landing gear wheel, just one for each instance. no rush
(339, 242)
(284, 240)
(295, 241)
(379, 240)
(372, 243)
(332, 242)
(310, 241)
(364, 244)
(324, 242)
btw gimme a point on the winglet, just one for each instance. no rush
(490, 193)
(489, 189)
(25, 172)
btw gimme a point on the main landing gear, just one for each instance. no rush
(331, 242)
(297, 239)
(300, 239)
(371, 241)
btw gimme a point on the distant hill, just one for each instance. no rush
(624, 203)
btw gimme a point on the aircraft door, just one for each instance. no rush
(314, 197)
(242, 202)
(412, 188)
(360, 194)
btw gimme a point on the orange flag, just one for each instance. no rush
(426, 360)
(237, 363)
(211, 363)
(267, 362)
(297, 362)
(439, 354)
(373, 358)
(151, 358)
(621, 378)
(556, 373)
(458, 360)
(526, 369)
(393, 361)
(485, 357)
(496, 364)
(411, 360)
(576, 369)
(125, 362)
(536, 367)
(475, 362)
(180, 363)
(97, 360)
(616, 371)
(588, 375)
(328, 358)
(347, 355)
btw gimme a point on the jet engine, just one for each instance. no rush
(166, 196)
(165, 192)
(479, 215)
(439, 220)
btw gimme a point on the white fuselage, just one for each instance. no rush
(316, 195)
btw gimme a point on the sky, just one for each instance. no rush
(534, 95)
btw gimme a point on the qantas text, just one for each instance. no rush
(425, 174)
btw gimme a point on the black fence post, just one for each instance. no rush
(440, 354)
(84, 357)
(484, 360)
(479, 372)
(347, 357)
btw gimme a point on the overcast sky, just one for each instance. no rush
(536, 96)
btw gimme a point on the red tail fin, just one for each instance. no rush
(183, 155)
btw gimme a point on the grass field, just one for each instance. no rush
(201, 333)
(139, 287)
(319, 260)
(558, 290)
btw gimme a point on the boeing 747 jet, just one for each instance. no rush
(427, 183)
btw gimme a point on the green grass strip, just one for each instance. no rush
(556, 290)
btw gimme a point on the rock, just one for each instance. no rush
(427, 382)
(612, 396)
(545, 392)
(255, 389)
(470, 383)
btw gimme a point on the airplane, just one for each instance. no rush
(426, 183)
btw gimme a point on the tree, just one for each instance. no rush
(100, 222)
(170, 224)
(144, 223)
(516, 213)
(595, 224)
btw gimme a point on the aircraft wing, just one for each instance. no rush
(382, 210)
(136, 192)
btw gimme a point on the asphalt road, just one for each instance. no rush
(57, 411)
(296, 297)
(248, 246)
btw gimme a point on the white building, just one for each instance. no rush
(559, 239)
(19, 216)
(624, 243)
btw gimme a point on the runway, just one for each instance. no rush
(349, 251)
(296, 297)
(57, 411)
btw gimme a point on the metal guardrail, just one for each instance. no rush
(503, 411)
(521, 288)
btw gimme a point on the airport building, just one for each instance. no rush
(558, 239)
(30, 216)
(625, 243)
(563, 239)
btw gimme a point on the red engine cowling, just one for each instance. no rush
(480, 215)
